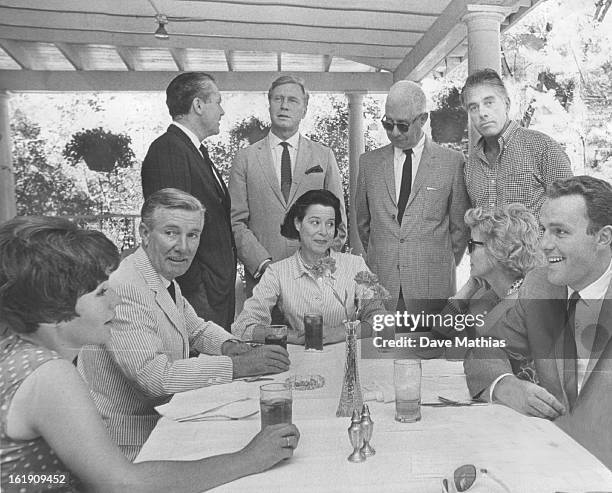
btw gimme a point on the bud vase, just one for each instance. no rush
(350, 397)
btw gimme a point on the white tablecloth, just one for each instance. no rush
(528, 454)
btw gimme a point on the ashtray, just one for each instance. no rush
(305, 382)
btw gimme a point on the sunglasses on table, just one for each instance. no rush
(467, 476)
(402, 127)
(471, 244)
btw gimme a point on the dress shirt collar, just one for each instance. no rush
(504, 138)
(417, 150)
(597, 289)
(192, 137)
(293, 141)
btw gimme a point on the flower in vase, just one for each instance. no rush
(368, 288)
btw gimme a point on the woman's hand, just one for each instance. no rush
(272, 445)
(470, 288)
(333, 335)
(294, 336)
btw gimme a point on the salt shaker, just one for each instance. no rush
(356, 437)
(367, 427)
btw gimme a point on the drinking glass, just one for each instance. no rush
(407, 383)
(275, 403)
(276, 335)
(313, 332)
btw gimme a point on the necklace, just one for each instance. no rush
(514, 287)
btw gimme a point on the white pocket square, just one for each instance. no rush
(430, 188)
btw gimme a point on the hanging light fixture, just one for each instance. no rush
(161, 32)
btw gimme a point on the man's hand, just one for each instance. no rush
(261, 360)
(234, 347)
(527, 398)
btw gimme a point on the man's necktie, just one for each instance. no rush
(285, 171)
(570, 353)
(172, 291)
(406, 185)
(217, 175)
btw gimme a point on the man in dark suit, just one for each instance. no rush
(178, 159)
(562, 322)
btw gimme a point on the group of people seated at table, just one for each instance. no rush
(64, 292)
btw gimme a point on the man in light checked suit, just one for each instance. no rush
(147, 358)
(410, 202)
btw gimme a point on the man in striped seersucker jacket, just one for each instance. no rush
(147, 358)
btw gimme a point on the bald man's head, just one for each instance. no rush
(406, 104)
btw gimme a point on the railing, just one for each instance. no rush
(119, 228)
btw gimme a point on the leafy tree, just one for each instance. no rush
(42, 187)
(331, 129)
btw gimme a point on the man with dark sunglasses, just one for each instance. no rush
(410, 202)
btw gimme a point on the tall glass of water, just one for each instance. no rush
(407, 383)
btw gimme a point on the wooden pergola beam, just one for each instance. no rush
(68, 81)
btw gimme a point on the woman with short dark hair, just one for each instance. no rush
(55, 298)
(315, 279)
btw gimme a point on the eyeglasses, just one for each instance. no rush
(471, 244)
(465, 477)
(388, 125)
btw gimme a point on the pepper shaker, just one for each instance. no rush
(356, 437)
(367, 428)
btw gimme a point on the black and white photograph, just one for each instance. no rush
(306, 246)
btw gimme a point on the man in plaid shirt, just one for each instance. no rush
(509, 163)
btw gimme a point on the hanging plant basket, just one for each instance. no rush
(448, 125)
(101, 150)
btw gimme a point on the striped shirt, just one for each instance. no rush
(528, 162)
(297, 292)
(147, 358)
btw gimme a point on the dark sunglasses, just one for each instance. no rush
(464, 478)
(471, 244)
(388, 125)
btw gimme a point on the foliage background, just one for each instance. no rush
(557, 64)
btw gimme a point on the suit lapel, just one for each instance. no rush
(389, 164)
(266, 163)
(162, 296)
(203, 168)
(426, 166)
(303, 161)
(603, 334)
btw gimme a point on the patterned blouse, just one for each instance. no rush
(290, 285)
(26, 465)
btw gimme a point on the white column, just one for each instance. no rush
(356, 148)
(483, 26)
(484, 49)
(8, 207)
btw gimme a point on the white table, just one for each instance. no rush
(528, 454)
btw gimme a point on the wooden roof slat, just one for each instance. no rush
(179, 55)
(18, 52)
